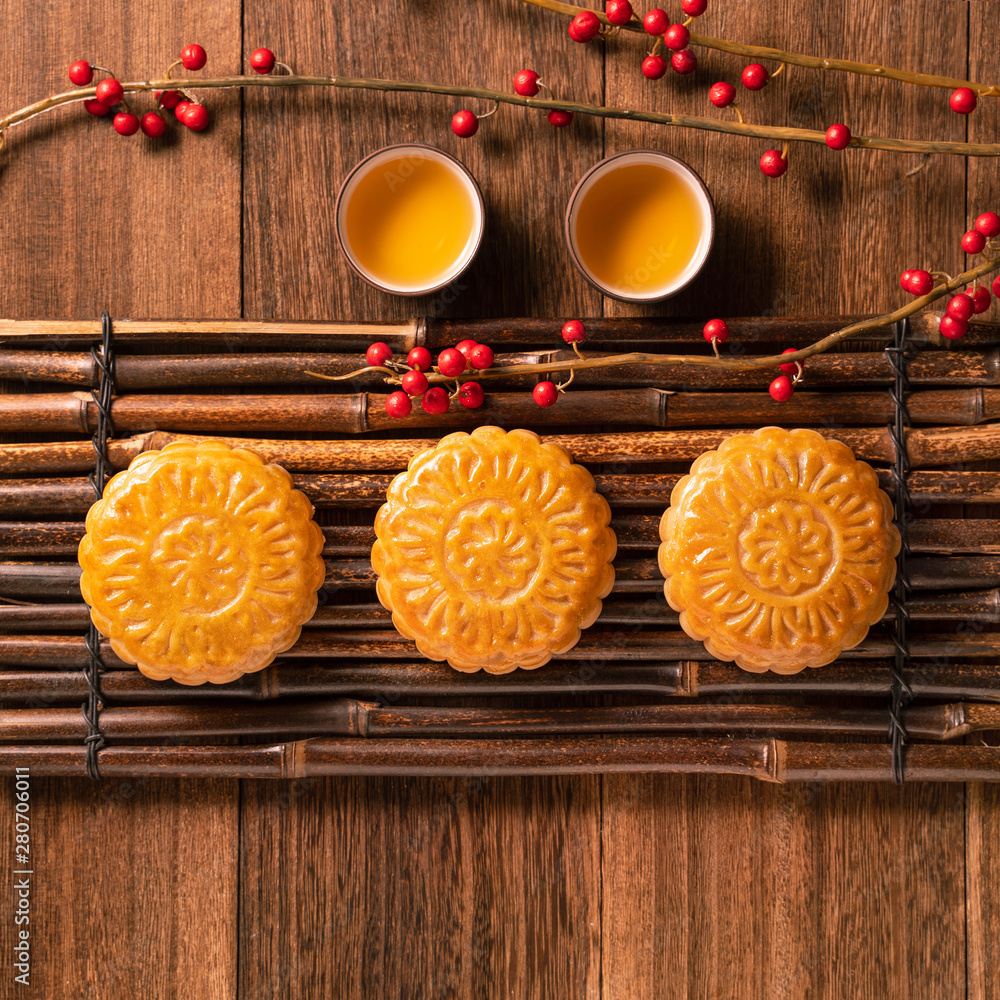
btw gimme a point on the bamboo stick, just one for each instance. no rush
(633, 575)
(354, 413)
(767, 759)
(49, 540)
(435, 333)
(925, 447)
(351, 717)
(388, 681)
(170, 372)
(74, 497)
(603, 647)
(973, 606)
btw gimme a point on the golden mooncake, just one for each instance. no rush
(493, 551)
(778, 550)
(201, 563)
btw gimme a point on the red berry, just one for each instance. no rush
(153, 125)
(378, 353)
(653, 67)
(168, 99)
(781, 389)
(420, 359)
(180, 108)
(451, 362)
(81, 72)
(716, 329)
(963, 101)
(574, 332)
(193, 56)
(262, 60)
(722, 94)
(996, 286)
(126, 123)
(920, 282)
(464, 124)
(904, 280)
(414, 383)
(526, 82)
(655, 21)
(684, 62)
(973, 241)
(838, 137)
(95, 107)
(397, 404)
(481, 357)
(988, 224)
(980, 299)
(676, 37)
(618, 11)
(961, 307)
(545, 393)
(435, 401)
(471, 395)
(952, 328)
(110, 91)
(694, 8)
(560, 119)
(585, 27)
(464, 347)
(754, 77)
(790, 368)
(195, 117)
(773, 163)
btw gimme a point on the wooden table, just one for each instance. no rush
(617, 886)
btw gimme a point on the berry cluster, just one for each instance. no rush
(467, 357)
(781, 389)
(674, 38)
(451, 362)
(527, 83)
(110, 94)
(964, 305)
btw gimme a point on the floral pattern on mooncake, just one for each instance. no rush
(493, 551)
(201, 563)
(778, 550)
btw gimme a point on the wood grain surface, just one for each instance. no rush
(615, 886)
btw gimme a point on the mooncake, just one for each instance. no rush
(201, 563)
(493, 551)
(778, 550)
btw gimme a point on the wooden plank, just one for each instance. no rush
(982, 802)
(418, 888)
(135, 883)
(432, 888)
(808, 891)
(133, 891)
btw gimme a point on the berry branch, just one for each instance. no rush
(781, 56)
(90, 94)
(419, 377)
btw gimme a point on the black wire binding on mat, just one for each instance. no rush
(902, 693)
(105, 362)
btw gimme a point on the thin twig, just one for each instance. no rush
(717, 361)
(502, 97)
(796, 58)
